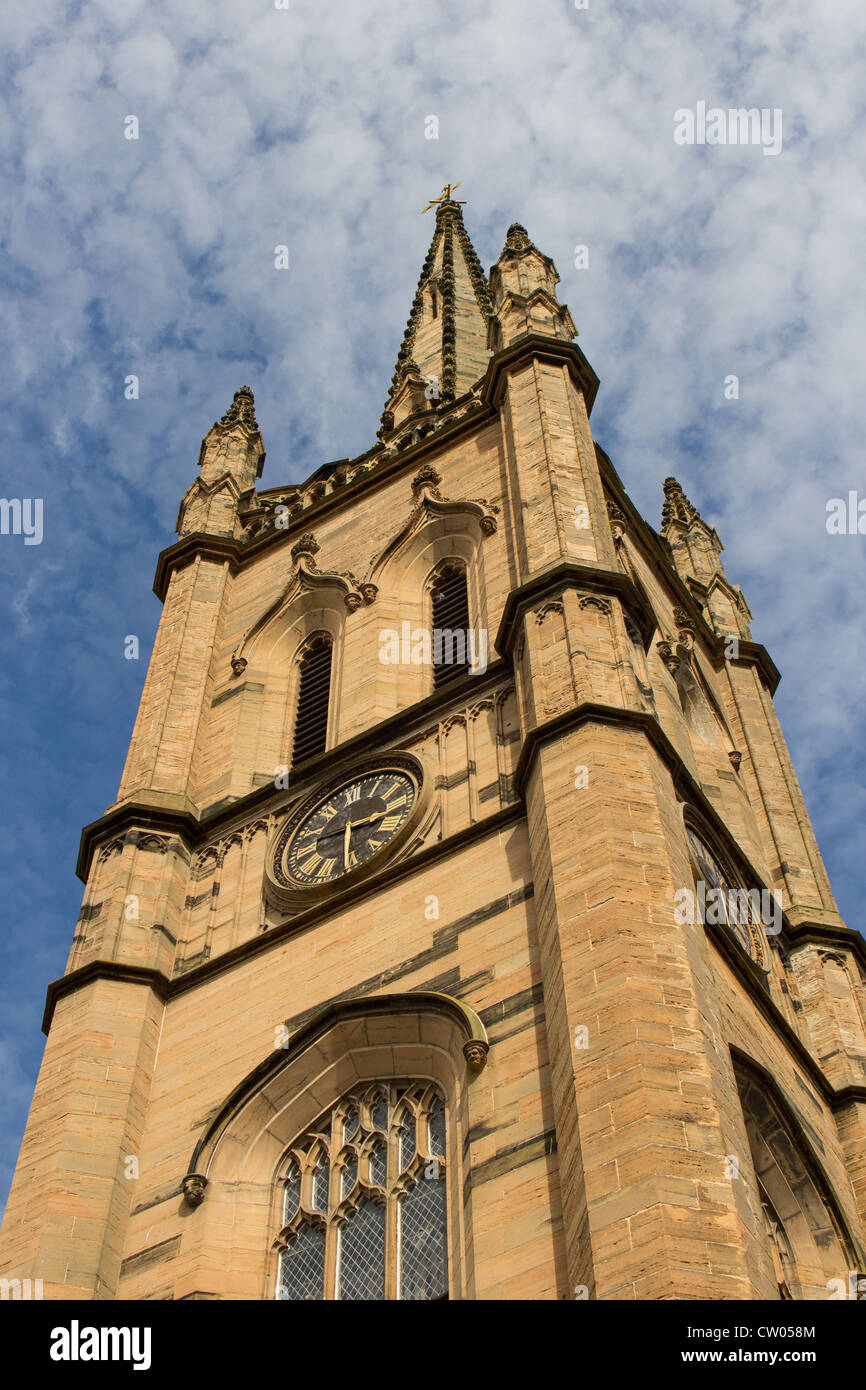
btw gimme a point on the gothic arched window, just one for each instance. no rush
(313, 698)
(364, 1213)
(450, 603)
(804, 1233)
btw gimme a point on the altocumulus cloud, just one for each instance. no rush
(259, 127)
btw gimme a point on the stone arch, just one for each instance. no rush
(437, 532)
(273, 655)
(236, 1161)
(806, 1234)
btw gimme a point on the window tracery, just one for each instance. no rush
(363, 1199)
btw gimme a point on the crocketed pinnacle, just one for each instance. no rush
(676, 506)
(242, 409)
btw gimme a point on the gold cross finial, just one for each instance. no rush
(445, 197)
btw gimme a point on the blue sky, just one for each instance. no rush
(306, 127)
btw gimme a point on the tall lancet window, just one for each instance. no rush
(364, 1207)
(313, 698)
(450, 604)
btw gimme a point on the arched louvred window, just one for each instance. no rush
(314, 690)
(450, 641)
(364, 1206)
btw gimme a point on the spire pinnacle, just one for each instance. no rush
(676, 506)
(444, 350)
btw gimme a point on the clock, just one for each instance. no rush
(723, 900)
(347, 829)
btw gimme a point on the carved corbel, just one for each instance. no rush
(475, 1051)
(194, 1185)
(678, 659)
(618, 522)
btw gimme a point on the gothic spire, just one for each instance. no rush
(444, 349)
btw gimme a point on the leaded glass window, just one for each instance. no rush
(364, 1204)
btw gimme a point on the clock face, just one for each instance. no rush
(725, 902)
(349, 826)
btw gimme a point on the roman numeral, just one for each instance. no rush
(390, 821)
(308, 866)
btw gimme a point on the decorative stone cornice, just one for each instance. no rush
(546, 349)
(751, 654)
(220, 549)
(571, 575)
(690, 791)
(102, 970)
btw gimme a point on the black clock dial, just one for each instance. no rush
(725, 898)
(349, 826)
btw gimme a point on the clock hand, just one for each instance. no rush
(338, 829)
(346, 840)
(327, 834)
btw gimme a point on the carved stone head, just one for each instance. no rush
(194, 1185)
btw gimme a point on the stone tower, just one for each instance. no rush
(459, 929)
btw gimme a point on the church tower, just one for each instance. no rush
(459, 930)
